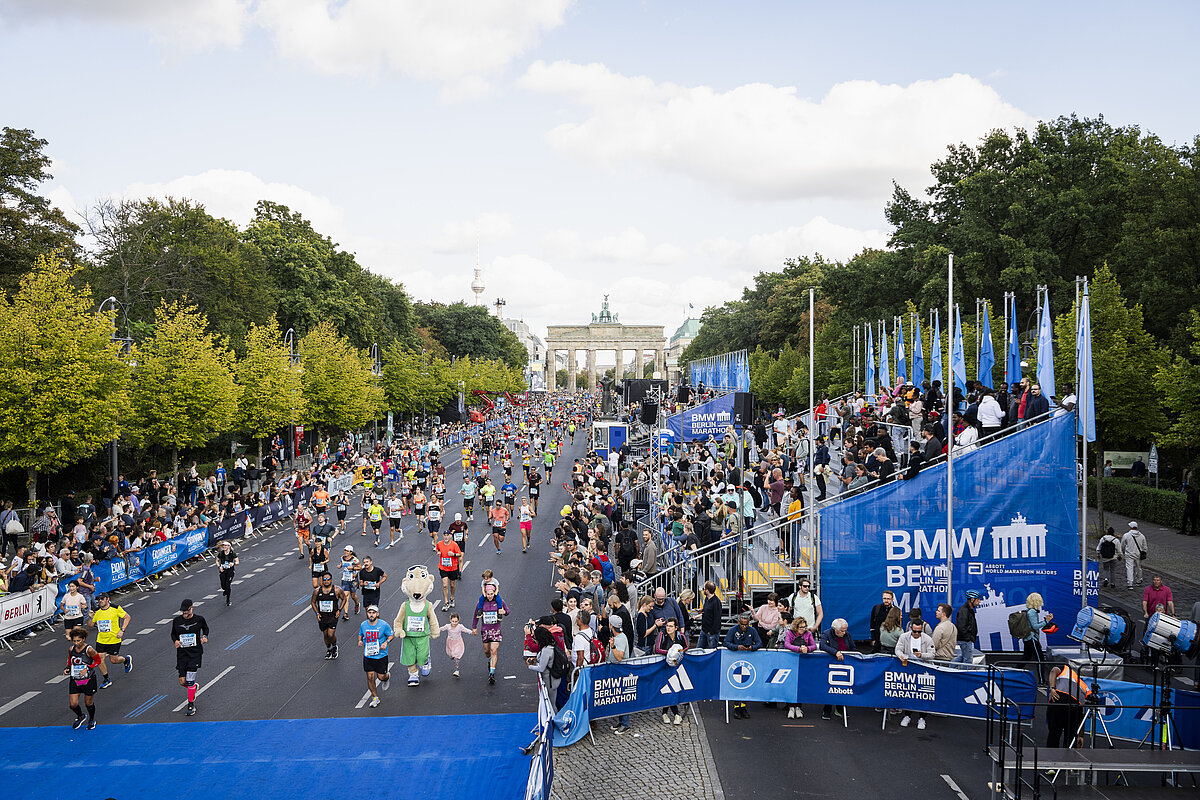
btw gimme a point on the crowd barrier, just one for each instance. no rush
(25, 609)
(781, 676)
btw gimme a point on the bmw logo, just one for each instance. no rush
(1110, 706)
(566, 723)
(740, 674)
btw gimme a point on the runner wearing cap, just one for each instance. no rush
(189, 632)
(458, 532)
(328, 602)
(227, 560)
(111, 623)
(374, 635)
(370, 579)
(350, 566)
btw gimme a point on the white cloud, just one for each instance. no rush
(630, 245)
(232, 194)
(193, 24)
(818, 235)
(462, 237)
(764, 142)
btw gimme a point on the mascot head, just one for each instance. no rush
(417, 583)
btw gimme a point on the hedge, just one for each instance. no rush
(1122, 496)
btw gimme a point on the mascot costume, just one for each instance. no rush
(416, 622)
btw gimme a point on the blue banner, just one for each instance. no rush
(771, 676)
(707, 419)
(1015, 522)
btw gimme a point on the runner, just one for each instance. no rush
(227, 560)
(487, 490)
(374, 635)
(499, 517)
(435, 516)
(302, 523)
(82, 660)
(328, 602)
(450, 558)
(458, 532)
(548, 460)
(72, 607)
(525, 519)
(371, 579)
(406, 491)
(454, 641)
(420, 508)
(535, 489)
(318, 562)
(320, 500)
(488, 612)
(350, 567)
(526, 463)
(110, 622)
(189, 631)
(509, 492)
(395, 511)
(368, 499)
(342, 505)
(468, 490)
(571, 432)
(375, 512)
(323, 531)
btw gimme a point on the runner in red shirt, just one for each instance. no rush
(450, 566)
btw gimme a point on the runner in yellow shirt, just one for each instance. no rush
(111, 622)
(375, 513)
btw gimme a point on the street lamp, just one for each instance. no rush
(289, 341)
(114, 304)
(376, 370)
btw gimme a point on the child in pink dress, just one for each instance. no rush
(454, 640)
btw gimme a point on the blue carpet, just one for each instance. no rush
(468, 757)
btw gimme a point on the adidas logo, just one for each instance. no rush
(679, 682)
(981, 696)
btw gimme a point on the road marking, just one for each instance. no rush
(144, 631)
(48, 641)
(172, 583)
(188, 577)
(163, 621)
(23, 654)
(307, 598)
(237, 583)
(235, 645)
(954, 787)
(260, 569)
(59, 679)
(510, 677)
(201, 690)
(129, 641)
(293, 619)
(146, 706)
(11, 704)
(198, 603)
(367, 695)
(483, 541)
(209, 596)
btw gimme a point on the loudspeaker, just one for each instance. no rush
(637, 388)
(649, 413)
(684, 394)
(743, 408)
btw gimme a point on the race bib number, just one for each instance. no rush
(491, 617)
(187, 640)
(318, 567)
(414, 624)
(347, 574)
(104, 625)
(370, 585)
(372, 649)
(533, 491)
(447, 562)
(79, 671)
(325, 606)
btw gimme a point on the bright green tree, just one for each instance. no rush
(413, 382)
(339, 389)
(1178, 382)
(272, 393)
(183, 393)
(64, 379)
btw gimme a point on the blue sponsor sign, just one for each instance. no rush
(707, 419)
(770, 676)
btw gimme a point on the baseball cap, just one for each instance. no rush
(185, 605)
(373, 607)
(349, 547)
(1133, 523)
(637, 562)
(615, 622)
(458, 517)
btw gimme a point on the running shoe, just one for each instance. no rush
(92, 725)
(413, 680)
(191, 710)
(79, 723)
(374, 702)
(107, 683)
(678, 720)
(128, 664)
(456, 673)
(385, 683)
(491, 679)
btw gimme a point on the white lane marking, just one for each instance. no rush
(23, 654)
(198, 603)
(129, 641)
(172, 583)
(483, 541)
(11, 704)
(510, 677)
(48, 641)
(205, 686)
(237, 583)
(188, 577)
(306, 610)
(367, 695)
(466, 563)
(261, 569)
(209, 596)
(144, 631)
(954, 787)
(163, 621)
(58, 679)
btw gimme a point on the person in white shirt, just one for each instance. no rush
(1066, 404)
(914, 643)
(63, 565)
(1132, 545)
(1109, 552)
(991, 416)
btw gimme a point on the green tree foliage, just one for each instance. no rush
(471, 331)
(183, 393)
(272, 392)
(29, 225)
(151, 251)
(414, 383)
(63, 379)
(1178, 381)
(339, 390)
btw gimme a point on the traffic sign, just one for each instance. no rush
(1152, 466)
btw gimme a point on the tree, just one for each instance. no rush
(29, 225)
(471, 331)
(64, 378)
(272, 392)
(414, 383)
(183, 392)
(339, 389)
(1178, 381)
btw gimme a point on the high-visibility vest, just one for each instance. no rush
(1069, 683)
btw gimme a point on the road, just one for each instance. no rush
(265, 658)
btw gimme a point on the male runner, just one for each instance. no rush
(435, 515)
(458, 532)
(110, 622)
(324, 531)
(395, 512)
(375, 512)
(468, 490)
(318, 562)
(371, 578)
(343, 506)
(320, 500)
(350, 567)
(82, 660)
(499, 516)
(189, 632)
(374, 635)
(509, 492)
(328, 603)
(535, 489)
(302, 523)
(548, 459)
(227, 560)
(487, 491)
(450, 566)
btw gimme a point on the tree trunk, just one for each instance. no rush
(175, 471)
(1101, 524)
(31, 478)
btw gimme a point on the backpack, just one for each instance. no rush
(1108, 550)
(627, 546)
(1141, 541)
(607, 573)
(560, 665)
(1018, 624)
(596, 651)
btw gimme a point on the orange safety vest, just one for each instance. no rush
(1069, 683)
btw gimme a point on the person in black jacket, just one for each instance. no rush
(915, 461)
(710, 618)
(968, 628)
(878, 615)
(837, 642)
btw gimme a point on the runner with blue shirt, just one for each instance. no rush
(374, 635)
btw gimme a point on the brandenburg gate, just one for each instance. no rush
(605, 333)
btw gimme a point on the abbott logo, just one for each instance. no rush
(679, 682)
(841, 679)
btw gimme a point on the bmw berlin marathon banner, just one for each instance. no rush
(707, 419)
(781, 676)
(1015, 532)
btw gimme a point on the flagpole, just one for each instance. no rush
(950, 450)
(1081, 414)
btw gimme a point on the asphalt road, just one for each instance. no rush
(265, 658)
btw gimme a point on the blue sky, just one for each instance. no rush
(661, 152)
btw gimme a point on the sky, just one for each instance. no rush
(662, 153)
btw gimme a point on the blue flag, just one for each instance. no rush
(1045, 354)
(901, 361)
(958, 362)
(918, 375)
(870, 363)
(1086, 403)
(885, 376)
(935, 351)
(1012, 373)
(987, 357)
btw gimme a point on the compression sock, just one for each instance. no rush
(91, 713)
(78, 712)
(192, 692)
